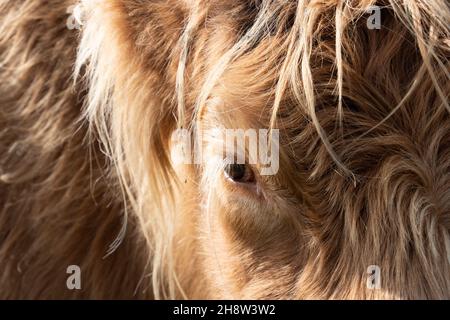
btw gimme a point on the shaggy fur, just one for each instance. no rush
(86, 176)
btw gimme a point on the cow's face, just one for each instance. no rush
(354, 200)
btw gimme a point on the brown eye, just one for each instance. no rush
(239, 173)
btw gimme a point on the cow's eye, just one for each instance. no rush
(240, 173)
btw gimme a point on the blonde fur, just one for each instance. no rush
(365, 150)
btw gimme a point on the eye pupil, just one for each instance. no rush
(236, 171)
(239, 173)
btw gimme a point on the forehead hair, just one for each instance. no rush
(319, 56)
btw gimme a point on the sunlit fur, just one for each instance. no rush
(86, 176)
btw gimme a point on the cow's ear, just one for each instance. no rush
(129, 54)
(131, 50)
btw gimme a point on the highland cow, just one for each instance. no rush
(88, 107)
